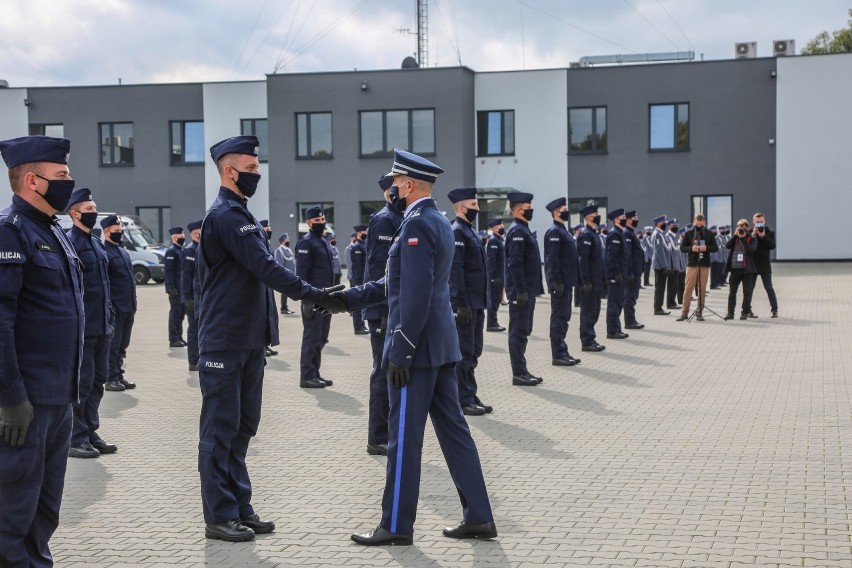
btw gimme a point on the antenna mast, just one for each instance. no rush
(422, 33)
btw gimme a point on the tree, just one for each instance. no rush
(839, 41)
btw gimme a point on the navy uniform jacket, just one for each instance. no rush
(496, 257)
(188, 268)
(590, 251)
(122, 285)
(314, 260)
(41, 309)
(561, 263)
(174, 256)
(235, 271)
(358, 261)
(421, 329)
(617, 256)
(380, 235)
(523, 262)
(637, 253)
(95, 266)
(468, 279)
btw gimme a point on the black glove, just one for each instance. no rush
(523, 299)
(307, 311)
(560, 290)
(497, 282)
(14, 421)
(587, 289)
(333, 301)
(383, 328)
(619, 279)
(398, 376)
(463, 315)
(631, 279)
(190, 305)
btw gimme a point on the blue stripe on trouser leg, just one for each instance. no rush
(399, 446)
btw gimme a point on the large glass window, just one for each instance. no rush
(495, 132)
(260, 128)
(717, 209)
(669, 127)
(187, 142)
(368, 209)
(313, 135)
(116, 143)
(384, 130)
(587, 130)
(158, 219)
(54, 130)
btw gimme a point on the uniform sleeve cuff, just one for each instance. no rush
(12, 395)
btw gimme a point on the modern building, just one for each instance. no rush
(726, 138)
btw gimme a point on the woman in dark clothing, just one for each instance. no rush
(741, 267)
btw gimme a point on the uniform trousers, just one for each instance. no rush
(32, 478)
(681, 286)
(647, 273)
(494, 294)
(94, 369)
(176, 313)
(747, 279)
(520, 328)
(231, 394)
(631, 296)
(284, 306)
(377, 420)
(357, 319)
(191, 337)
(716, 269)
(471, 342)
(614, 306)
(766, 277)
(590, 311)
(660, 280)
(560, 315)
(695, 275)
(119, 343)
(671, 288)
(314, 337)
(432, 391)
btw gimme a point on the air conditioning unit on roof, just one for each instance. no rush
(783, 47)
(746, 50)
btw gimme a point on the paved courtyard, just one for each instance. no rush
(702, 444)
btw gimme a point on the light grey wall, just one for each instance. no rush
(732, 117)
(151, 181)
(346, 179)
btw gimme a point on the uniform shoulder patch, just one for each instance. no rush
(13, 220)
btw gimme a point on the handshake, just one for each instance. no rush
(333, 301)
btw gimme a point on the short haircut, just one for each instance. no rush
(225, 160)
(699, 217)
(17, 173)
(516, 206)
(757, 215)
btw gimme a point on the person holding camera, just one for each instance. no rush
(762, 262)
(699, 246)
(740, 266)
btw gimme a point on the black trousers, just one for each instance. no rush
(314, 337)
(747, 280)
(94, 369)
(176, 313)
(671, 289)
(495, 294)
(520, 328)
(766, 277)
(119, 343)
(471, 343)
(681, 284)
(590, 311)
(660, 280)
(560, 315)
(377, 419)
(647, 273)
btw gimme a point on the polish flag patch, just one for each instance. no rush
(413, 242)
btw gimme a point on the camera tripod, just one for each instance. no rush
(700, 308)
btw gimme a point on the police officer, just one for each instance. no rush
(94, 368)
(616, 272)
(661, 263)
(496, 267)
(173, 260)
(673, 252)
(637, 270)
(314, 265)
(357, 261)
(188, 271)
(237, 319)
(468, 285)
(420, 351)
(523, 284)
(562, 271)
(41, 289)
(648, 248)
(284, 257)
(122, 295)
(590, 252)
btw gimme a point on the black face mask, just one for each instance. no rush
(286, 243)
(632, 223)
(179, 242)
(89, 219)
(673, 228)
(397, 202)
(247, 182)
(471, 214)
(332, 242)
(58, 192)
(115, 236)
(528, 214)
(564, 215)
(501, 231)
(596, 219)
(362, 236)
(268, 235)
(318, 229)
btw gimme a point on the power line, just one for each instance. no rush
(310, 43)
(575, 26)
(288, 44)
(663, 6)
(650, 23)
(245, 45)
(453, 40)
(269, 33)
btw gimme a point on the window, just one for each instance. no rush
(55, 130)
(587, 130)
(575, 204)
(368, 209)
(116, 143)
(495, 132)
(260, 128)
(717, 209)
(327, 208)
(313, 135)
(158, 219)
(384, 130)
(669, 127)
(187, 142)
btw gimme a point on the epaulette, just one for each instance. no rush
(13, 219)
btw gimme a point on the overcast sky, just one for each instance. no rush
(87, 42)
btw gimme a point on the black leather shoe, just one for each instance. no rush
(774, 314)
(377, 449)
(362, 332)
(524, 381)
(270, 352)
(381, 537)
(312, 383)
(193, 367)
(751, 315)
(674, 307)
(473, 410)
(744, 316)
(288, 311)
(635, 325)
(618, 335)
(539, 379)
(594, 348)
(177, 344)
(127, 384)
(259, 526)
(495, 328)
(328, 382)
(599, 346)
(565, 362)
(103, 446)
(728, 316)
(85, 450)
(472, 530)
(661, 313)
(488, 409)
(232, 531)
(114, 386)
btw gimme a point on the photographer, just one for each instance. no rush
(699, 245)
(762, 263)
(741, 267)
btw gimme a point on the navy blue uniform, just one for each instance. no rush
(41, 298)
(468, 286)
(358, 256)
(523, 274)
(188, 271)
(421, 337)
(314, 265)
(94, 368)
(122, 295)
(590, 252)
(381, 232)
(617, 273)
(173, 260)
(561, 266)
(634, 280)
(237, 320)
(495, 256)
